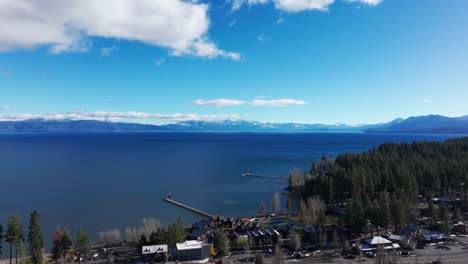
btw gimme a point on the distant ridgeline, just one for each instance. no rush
(390, 176)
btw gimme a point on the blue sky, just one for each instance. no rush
(160, 61)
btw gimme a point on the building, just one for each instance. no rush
(192, 250)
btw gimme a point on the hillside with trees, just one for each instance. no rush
(385, 184)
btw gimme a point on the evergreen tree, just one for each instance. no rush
(181, 226)
(385, 210)
(65, 244)
(14, 234)
(82, 245)
(434, 215)
(357, 221)
(56, 251)
(36, 243)
(398, 214)
(20, 251)
(158, 237)
(142, 242)
(445, 219)
(221, 244)
(174, 235)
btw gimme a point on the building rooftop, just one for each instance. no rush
(189, 244)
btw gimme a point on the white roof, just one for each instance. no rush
(378, 240)
(190, 244)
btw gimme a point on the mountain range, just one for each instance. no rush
(418, 124)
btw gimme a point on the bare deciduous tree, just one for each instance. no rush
(109, 236)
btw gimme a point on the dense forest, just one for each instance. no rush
(387, 181)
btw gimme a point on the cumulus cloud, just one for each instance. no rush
(116, 116)
(219, 102)
(257, 102)
(63, 26)
(4, 108)
(276, 102)
(293, 6)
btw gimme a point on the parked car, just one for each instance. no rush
(370, 254)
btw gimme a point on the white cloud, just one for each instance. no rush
(116, 116)
(107, 51)
(367, 2)
(219, 102)
(293, 6)
(257, 102)
(426, 101)
(301, 5)
(276, 102)
(64, 26)
(4, 108)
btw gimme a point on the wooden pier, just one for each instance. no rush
(191, 209)
(248, 174)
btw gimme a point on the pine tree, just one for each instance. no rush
(433, 214)
(174, 235)
(20, 252)
(181, 226)
(222, 244)
(35, 240)
(14, 234)
(65, 244)
(82, 245)
(142, 241)
(56, 251)
(385, 209)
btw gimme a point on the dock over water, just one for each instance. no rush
(248, 174)
(191, 209)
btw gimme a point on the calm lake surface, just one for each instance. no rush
(104, 181)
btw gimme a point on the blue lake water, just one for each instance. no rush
(104, 181)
